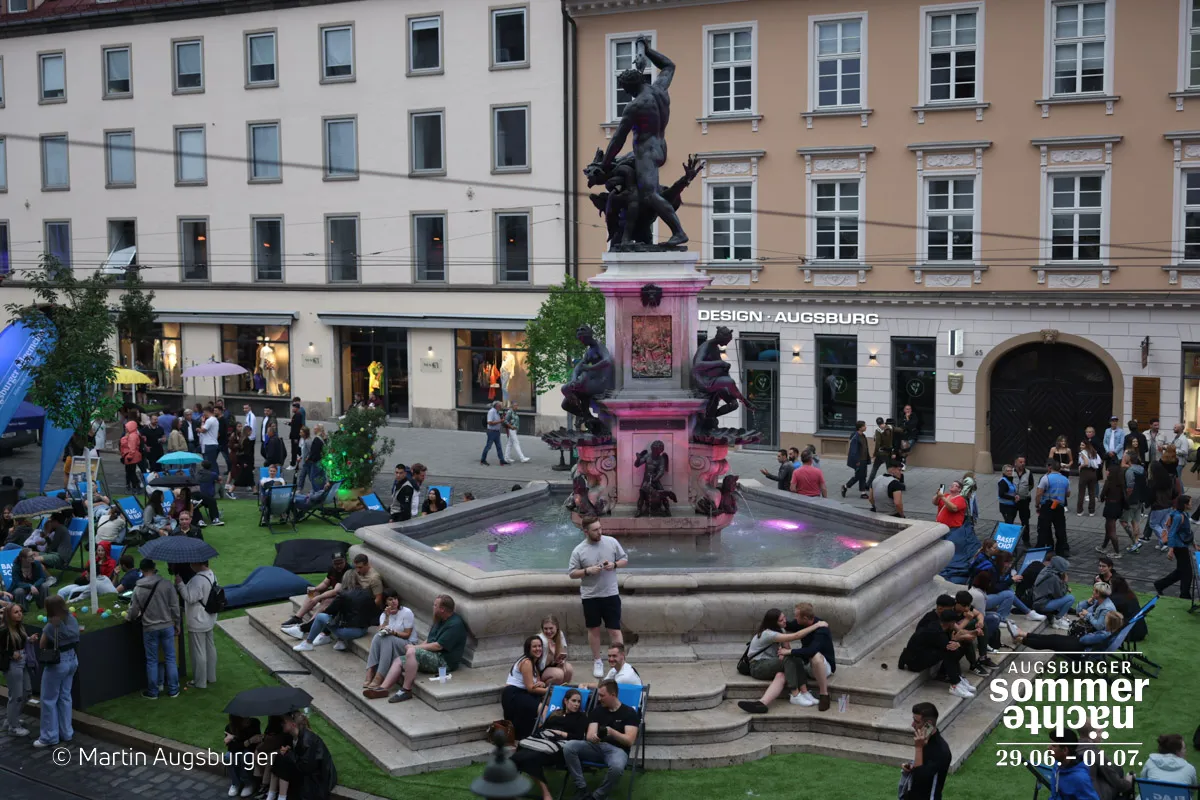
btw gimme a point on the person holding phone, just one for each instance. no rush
(926, 773)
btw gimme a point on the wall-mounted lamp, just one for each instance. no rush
(873, 359)
(431, 351)
(796, 352)
(310, 345)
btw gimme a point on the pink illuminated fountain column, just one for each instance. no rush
(650, 329)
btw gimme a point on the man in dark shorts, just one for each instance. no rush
(594, 562)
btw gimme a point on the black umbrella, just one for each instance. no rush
(361, 519)
(33, 506)
(178, 550)
(174, 481)
(266, 701)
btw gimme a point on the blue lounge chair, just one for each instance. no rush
(321, 504)
(633, 696)
(1031, 556)
(1007, 535)
(553, 702)
(1159, 790)
(131, 509)
(1043, 776)
(1138, 659)
(372, 502)
(279, 508)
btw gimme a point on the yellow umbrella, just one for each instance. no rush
(124, 375)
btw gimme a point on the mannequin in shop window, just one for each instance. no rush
(374, 378)
(489, 378)
(170, 360)
(266, 363)
(508, 366)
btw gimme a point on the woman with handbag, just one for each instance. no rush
(766, 660)
(543, 750)
(524, 689)
(13, 638)
(1073, 642)
(59, 662)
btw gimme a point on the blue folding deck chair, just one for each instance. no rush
(279, 508)
(1195, 582)
(1032, 555)
(1042, 777)
(553, 702)
(634, 696)
(371, 502)
(1138, 659)
(1160, 790)
(77, 527)
(321, 504)
(1007, 535)
(131, 509)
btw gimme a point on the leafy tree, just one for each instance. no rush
(73, 368)
(550, 338)
(356, 452)
(135, 316)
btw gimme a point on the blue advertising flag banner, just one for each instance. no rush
(7, 558)
(18, 344)
(1006, 536)
(54, 441)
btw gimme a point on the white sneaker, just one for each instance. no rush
(233, 791)
(18, 731)
(322, 638)
(293, 631)
(958, 691)
(1034, 616)
(50, 581)
(523, 460)
(598, 668)
(339, 645)
(247, 791)
(1013, 630)
(966, 686)
(801, 700)
(1060, 623)
(303, 647)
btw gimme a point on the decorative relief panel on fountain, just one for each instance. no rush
(651, 346)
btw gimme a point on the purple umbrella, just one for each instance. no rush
(214, 370)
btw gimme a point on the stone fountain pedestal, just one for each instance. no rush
(651, 327)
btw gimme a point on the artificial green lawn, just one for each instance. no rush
(1171, 705)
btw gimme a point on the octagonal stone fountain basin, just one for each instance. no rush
(504, 561)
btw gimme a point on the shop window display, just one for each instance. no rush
(263, 350)
(914, 381)
(374, 365)
(490, 366)
(1191, 388)
(837, 382)
(160, 357)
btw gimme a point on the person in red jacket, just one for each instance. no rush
(131, 456)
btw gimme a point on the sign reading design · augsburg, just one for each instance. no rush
(955, 382)
(792, 317)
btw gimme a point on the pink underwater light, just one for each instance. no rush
(783, 524)
(511, 528)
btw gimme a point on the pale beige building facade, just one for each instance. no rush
(989, 210)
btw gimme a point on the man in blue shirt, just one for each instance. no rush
(1052, 494)
(1072, 779)
(1114, 442)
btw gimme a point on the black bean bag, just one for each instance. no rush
(304, 556)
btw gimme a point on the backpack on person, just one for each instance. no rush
(215, 602)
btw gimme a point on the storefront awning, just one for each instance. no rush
(443, 321)
(228, 317)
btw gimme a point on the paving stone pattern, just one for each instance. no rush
(452, 458)
(26, 770)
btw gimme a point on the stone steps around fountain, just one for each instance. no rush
(378, 744)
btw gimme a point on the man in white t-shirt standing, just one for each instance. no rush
(594, 562)
(209, 444)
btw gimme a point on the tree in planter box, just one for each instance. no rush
(355, 452)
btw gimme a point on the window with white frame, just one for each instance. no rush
(1193, 44)
(425, 45)
(952, 39)
(189, 66)
(510, 143)
(510, 45)
(260, 59)
(836, 218)
(1076, 217)
(342, 253)
(622, 56)
(341, 148)
(191, 161)
(52, 75)
(731, 71)
(429, 247)
(265, 153)
(193, 248)
(512, 247)
(949, 219)
(1080, 39)
(337, 53)
(57, 238)
(122, 247)
(268, 248)
(427, 142)
(1191, 216)
(731, 214)
(17, 6)
(56, 172)
(118, 72)
(118, 156)
(839, 50)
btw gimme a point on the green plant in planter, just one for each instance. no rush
(356, 452)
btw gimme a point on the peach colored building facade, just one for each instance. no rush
(965, 185)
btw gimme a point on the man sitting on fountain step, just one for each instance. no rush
(443, 648)
(934, 643)
(619, 670)
(594, 563)
(809, 481)
(815, 654)
(319, 595)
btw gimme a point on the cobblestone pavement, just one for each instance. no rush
(31, 773)
(452, 458)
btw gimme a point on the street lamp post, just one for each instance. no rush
(500, 779)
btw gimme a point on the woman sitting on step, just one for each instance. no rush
(769, 661)
(555, 668)
(396, 631)
(1073, 641)
(524, 689)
